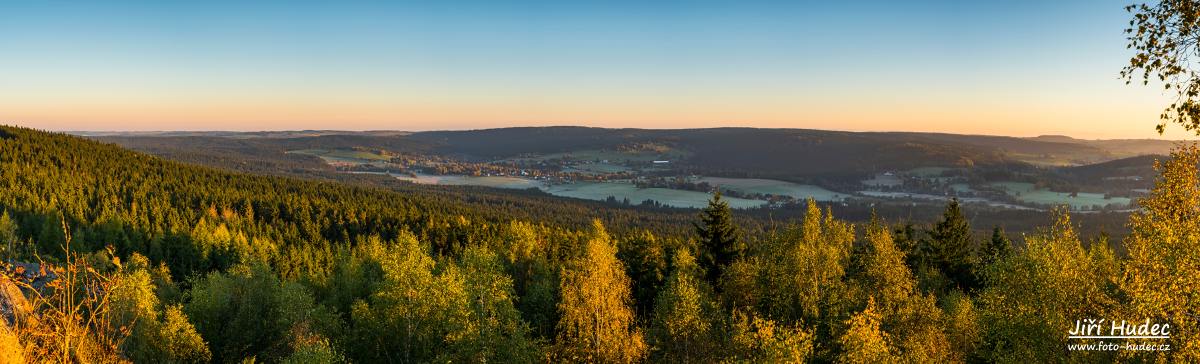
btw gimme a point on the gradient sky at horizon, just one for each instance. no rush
(1012, 68)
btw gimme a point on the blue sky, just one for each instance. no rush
(1017, 68)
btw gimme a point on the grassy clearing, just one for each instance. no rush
(1054, 160)
(675, 198)
(1026, 192)
(486, 181)
(598, 191)
(961, 187)
(343, 156)
(773, 187)
(597, 168)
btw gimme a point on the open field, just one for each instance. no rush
(1026, 192)
(773, 187)
(486, 181)
(961, 187)
(665, 196)
(598, 168)
(598, 191)
(1055, 160)
(929, 197)
(343, 156)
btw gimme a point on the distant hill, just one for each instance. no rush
(799, 152)
(1140, 166)
(1118, 147)
(237, 134)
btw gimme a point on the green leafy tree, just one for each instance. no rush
(962, 325)
(803, 271)
(1162, 275)
(313, 350)
(157, 333)
(684, 324)
(597, 318)
(918, 333)
(885, 276)
(753, 339)
(409, 316)
(454, 313)
(914, 319)
(492, 330)
(719, 244)
(864, 341)
(247, 311)
(1032, 299)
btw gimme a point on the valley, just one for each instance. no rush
(657, 168)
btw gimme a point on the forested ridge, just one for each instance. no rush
(159, 261)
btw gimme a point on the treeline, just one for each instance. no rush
(199, 265)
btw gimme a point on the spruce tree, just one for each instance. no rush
(908, 241)
(949, 247)
(997, 248)
(719, 244)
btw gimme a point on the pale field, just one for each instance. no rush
(773, 187)
(486, 181)
(344, 156)
(675, 198)
(598, 191)
(1026, 192)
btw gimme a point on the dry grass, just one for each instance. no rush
(63, 321)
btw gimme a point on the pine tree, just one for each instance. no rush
(719, 244)
(646, 264)
(949, 247)
(906, 239)
(997, 248)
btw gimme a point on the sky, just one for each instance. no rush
(1005, 68)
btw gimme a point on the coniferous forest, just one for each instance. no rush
(149, 260)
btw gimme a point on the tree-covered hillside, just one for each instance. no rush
(148, 260)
